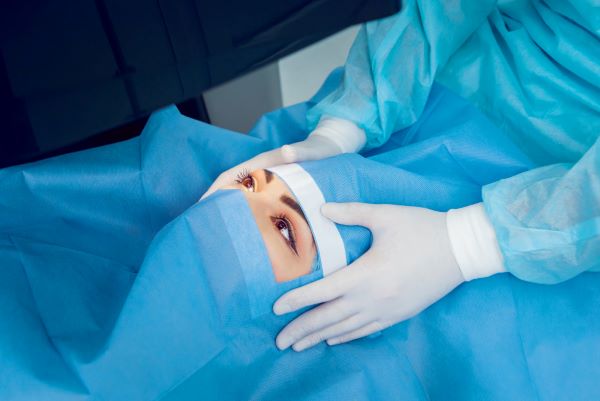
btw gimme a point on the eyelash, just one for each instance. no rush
(245, 174)
(242, 175)
(292, 241)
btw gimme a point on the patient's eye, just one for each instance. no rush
(284, 227)
(247, 181)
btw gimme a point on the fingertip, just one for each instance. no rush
(285, 303)
(288, 153)
(340, 213)
(282, 342)
(281, 308)
(331, 210)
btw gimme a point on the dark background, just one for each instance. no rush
(81, 73)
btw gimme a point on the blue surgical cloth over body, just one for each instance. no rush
(117, 285)
(533, 68)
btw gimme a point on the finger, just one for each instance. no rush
(311, 321)
(271, 158)
(312, 148)
(338, 283)
(364, 331)
(335, 330)
(290, 154)
(323, 290)
(353, 213)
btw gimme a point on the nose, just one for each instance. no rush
(258, 201)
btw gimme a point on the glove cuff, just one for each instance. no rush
(343, 133)
(473, 241)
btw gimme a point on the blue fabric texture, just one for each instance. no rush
(115, 284)
(558, 236)
(533, 67)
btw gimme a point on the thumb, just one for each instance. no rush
(352, 213)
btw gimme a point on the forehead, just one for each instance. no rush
(274, 183)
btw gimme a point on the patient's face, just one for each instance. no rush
(283, 226)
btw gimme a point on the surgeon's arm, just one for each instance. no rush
(542, 226)
(547, 220)
(393, 62)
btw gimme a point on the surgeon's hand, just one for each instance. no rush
(409, 266)
(331, 137)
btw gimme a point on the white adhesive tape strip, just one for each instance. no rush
(326, 235)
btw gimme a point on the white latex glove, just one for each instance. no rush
(409, 266)
(331, 137)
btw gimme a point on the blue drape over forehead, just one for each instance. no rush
(116, 284)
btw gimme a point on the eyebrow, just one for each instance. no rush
(294, 205)
(268, 176)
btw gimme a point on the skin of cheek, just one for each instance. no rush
(286, 266)
(265, 204)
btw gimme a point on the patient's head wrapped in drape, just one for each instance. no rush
(118, 285)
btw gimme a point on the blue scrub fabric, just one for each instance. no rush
(117, 285)
(533, 67)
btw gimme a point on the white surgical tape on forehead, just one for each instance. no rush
(326, 235)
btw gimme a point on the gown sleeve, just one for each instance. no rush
(547, 220)
(393, 62)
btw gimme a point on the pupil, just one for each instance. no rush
(281, 225)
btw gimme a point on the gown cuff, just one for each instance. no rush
(345, 134)
(473, 241)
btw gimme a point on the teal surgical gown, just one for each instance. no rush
(534, 68)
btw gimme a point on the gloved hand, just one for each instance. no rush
(331, 137)
(409, 266)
